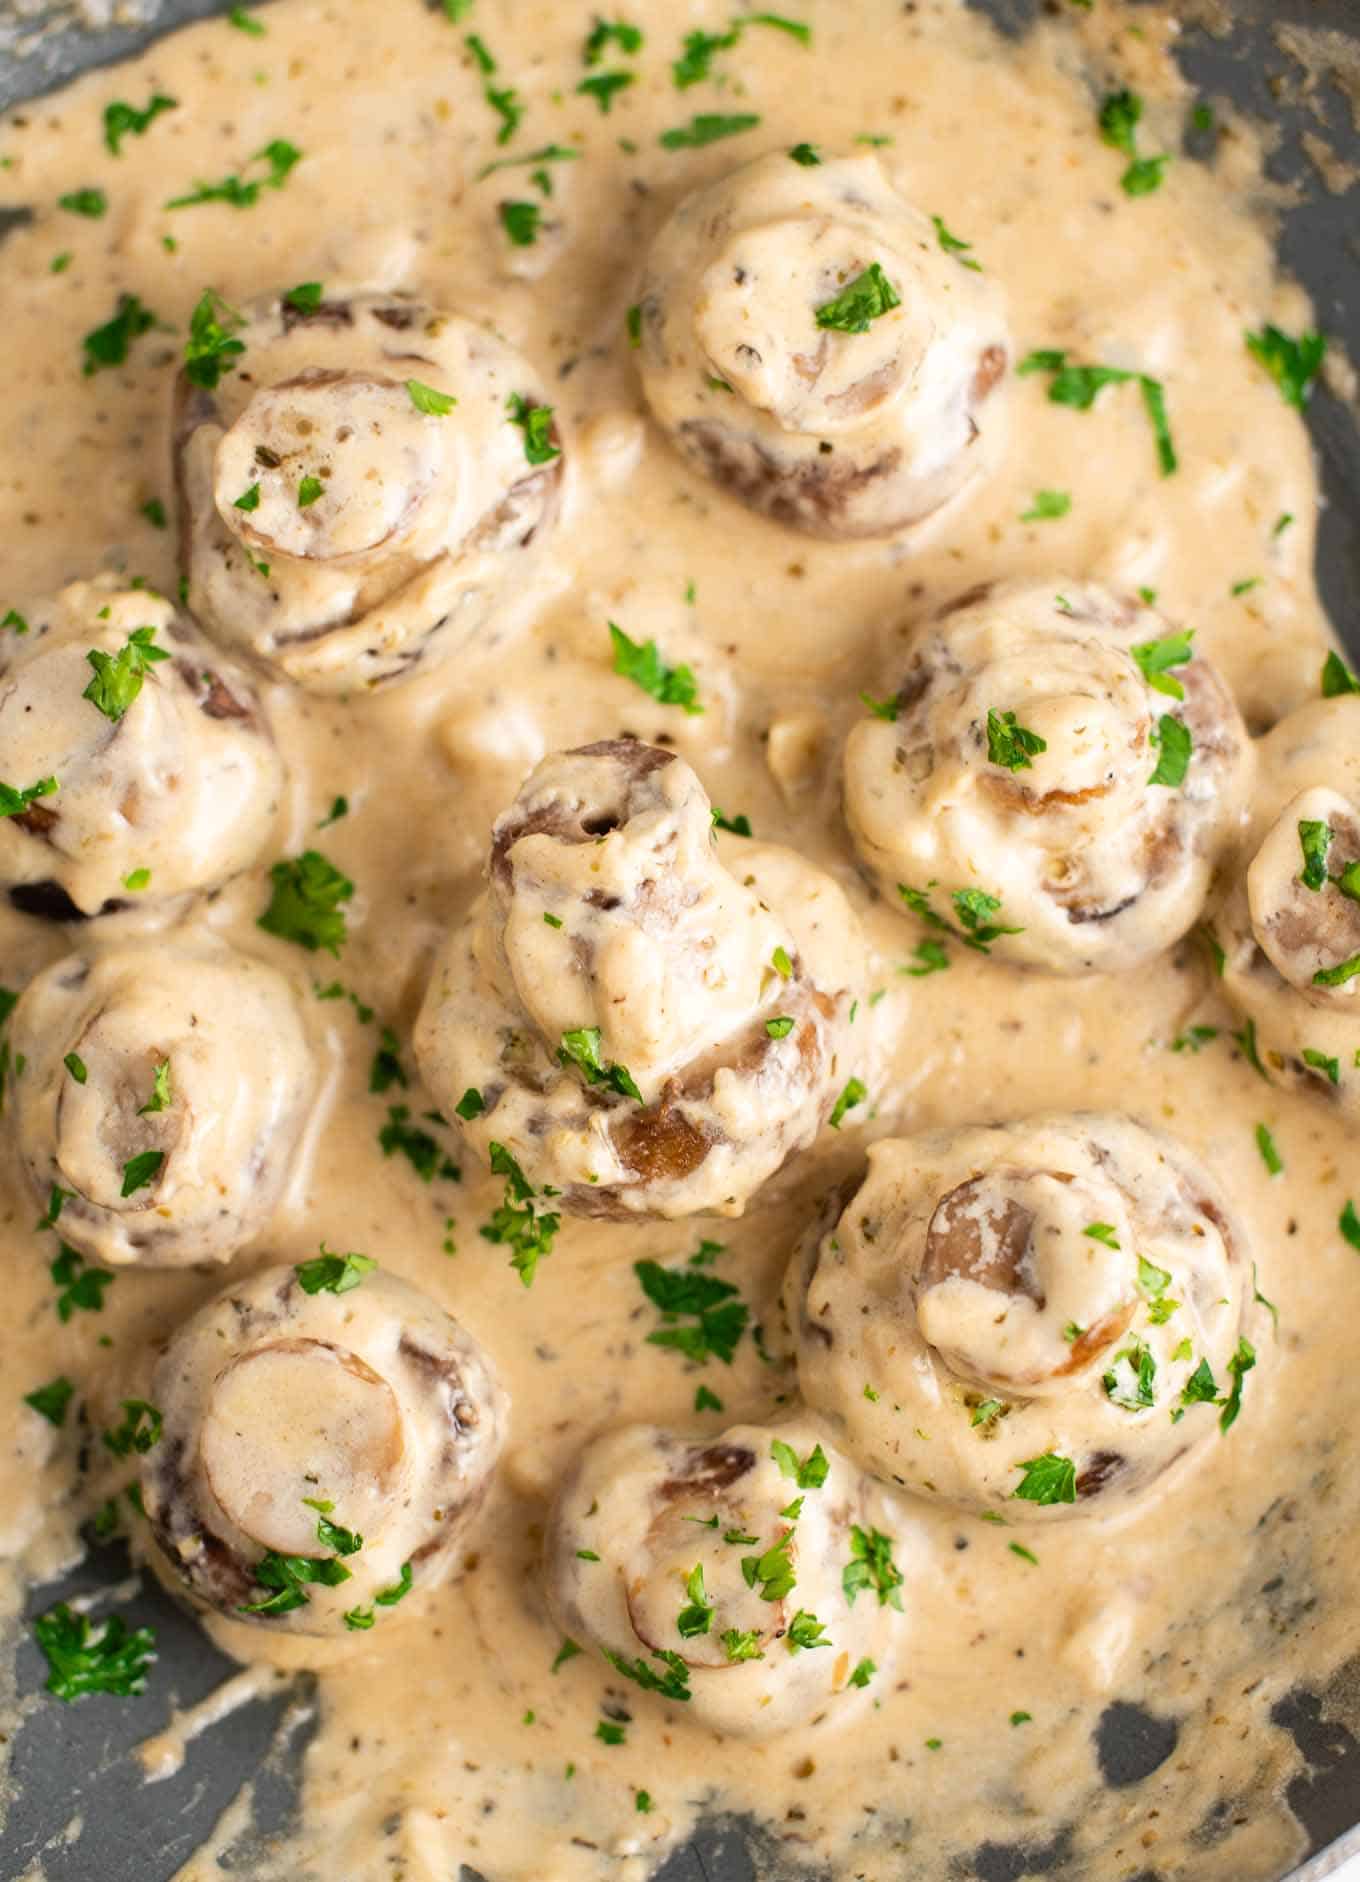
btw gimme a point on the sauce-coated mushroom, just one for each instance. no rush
(360, 492)
(329, 1436)
(809, 344)
(1039, 1315)
(643, 1030)
(1052, 777)
(745, 1579)
(164, 773)
(164, 1093)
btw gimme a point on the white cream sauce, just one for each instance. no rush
(452, 1739)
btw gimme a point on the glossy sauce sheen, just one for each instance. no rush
(1219, 1592)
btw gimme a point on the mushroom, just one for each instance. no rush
(165, 777)
(329, 1434)
(808, 342)
(165, 1089)
(642, 1029)
(747, 1579)
(1036, 1316)
(1288, 918)
(360, 494)
(1053, 777)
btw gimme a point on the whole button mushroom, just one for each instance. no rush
(1039, 1317)
(640, 1029)
(165, 1090)
(745, 1579)
(1053, 777)
(360, 486)
(1288, 921)
(329, 1436)
(808, 343)
(163, 772)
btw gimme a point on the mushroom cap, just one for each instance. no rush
(647, 1033)
(287, 1411)
(1092, 865)
(1009, 1293)
(336, 525)
(634, 1519)
(241, 1084)
(838, 425)
(182, 789)
(1287, 946)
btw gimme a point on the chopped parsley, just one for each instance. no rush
(882, 708)
(1129, 1383)
(14, 800)
(707, 128)
(520, 219)
(1320, 1062)
(536, 422)
(1239, 1366)
(1174, 744)
(1337, 678)
(974, 908)
(1349, 1224)
(1292, 364)
(305, 298)
(1270, 1155)
(288, 1577)
(1152, 1285)
(1245, 1041)
(869, 296)
(118, 677)
(780, 1027)
(1078, 386)
(582, 1049)
(1119, 116)
(806, 155)
(154, 512)
(470, 1105)
(84, 1656)
(160, 1090)
(246, 23)
(871, 1565)
(1047, 1479)
(955, 246)
(518, 1224)
(140, 1431)
(1010, 745)
(1201, 1388)
(124, 120)
(13, 619)
(1047, 506)
(329, 1273)
(88, 202)
(82, 1287)
(740, 825)
(1315, 839)
(704, 1400)
(387, 1069)
(310, 490)
(810, 1473)
(428, 401)
(696, 1617)
(717, 1315)
(805, 1631)
(51, 1401)
(772, 1573)
(278, 155)
(863, 1673)
(108, 345)
(931, 957)
(672, 1684)
(602, 86)
(643, 665)
(75, 1065)
(140, 1171)
(605, 33)
(212, 348)
(305, 905)
(423, 1152)
(740, 1645)
(248, 500)
(854, 1092)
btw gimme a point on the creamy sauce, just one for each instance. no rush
(451, 1738)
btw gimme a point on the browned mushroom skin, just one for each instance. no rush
(1290, 952)
(229, 1479)
(1094, 865)
(1038, 1289)
(837, 434)
(419, 537)
(225, 1037)
(177, 794)
(634, 1520)
(610, 916)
